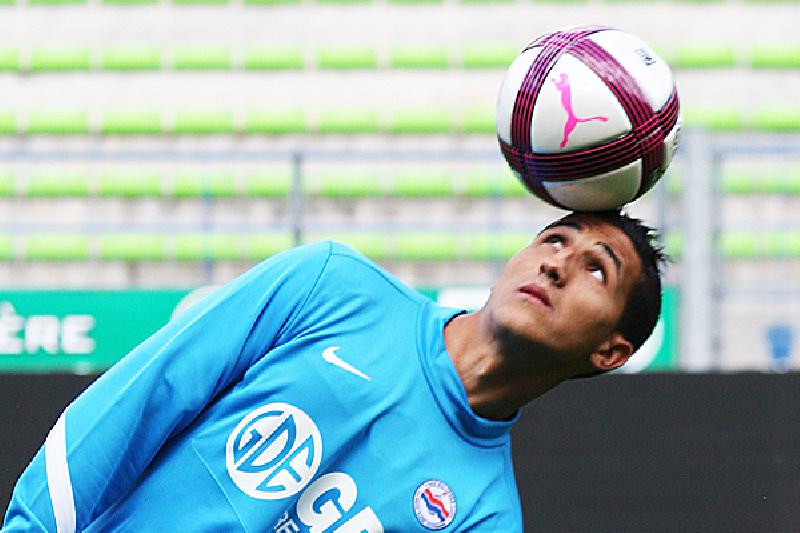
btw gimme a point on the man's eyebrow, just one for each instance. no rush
(610, 251)
(563, 224)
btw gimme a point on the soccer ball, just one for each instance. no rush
(588, 118)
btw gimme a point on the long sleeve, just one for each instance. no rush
(106, 438)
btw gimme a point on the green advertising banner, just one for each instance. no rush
(88, 331)
(77, 331)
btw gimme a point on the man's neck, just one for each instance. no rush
(497, 384)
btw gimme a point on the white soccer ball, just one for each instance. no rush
(588, 118)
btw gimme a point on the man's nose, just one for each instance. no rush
(553, 267)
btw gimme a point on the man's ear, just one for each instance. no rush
(612, 354)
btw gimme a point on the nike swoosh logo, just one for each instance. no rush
(330, 356)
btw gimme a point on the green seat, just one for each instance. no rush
(263, 245)
(144, 122)
(274, 58)
(782, 245)
(703, 56)
(268, 184)
(270, 2)
(426, 246)
(494, 247)
(130, 185)
(8, 184)
(419, 57)
(739, 182)
(424, 121)
(415, 1)
(673, 244)
(489, 56)
(201, 58)
(347, 58)
(479, 120)
(207, 247)
(423, 183)
(778, 119)
(373, 245)
(485, 183)
(343, 1)
(58, 185)
(203, 185)
(6, 247)
(200, 2)
(737, 245)
(55, 2)
(8, 123)
(349, 121)
(131, 58)
(129, 2)
(58, 122)
(198, 122)
(132, 247)
(56, 247)
(9, 60)
(778, 56)
(345, 184)
(715, 118)
(275, 121)
(60, 59)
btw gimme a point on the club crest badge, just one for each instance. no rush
(434, 504)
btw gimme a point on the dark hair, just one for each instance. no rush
(643, 306)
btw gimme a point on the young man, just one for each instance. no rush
(317, 393)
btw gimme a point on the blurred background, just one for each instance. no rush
(151, 150)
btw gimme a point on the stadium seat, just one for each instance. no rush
(199, 122)
(268, 184)
(419, 57)
(489, 56)
(348, 121)
(422, 183)
(347, 58)
(60, 59)
(56, 247)
(261, 245)
(373, 245)
(715, 118)
(58, 122)
(57, 185)
(131, 58)
(483, 183)
(785, 56)
(204, 247)
(275, 121)
(344, 184)
(274, 58)
(491, 247)
(203, 185)
(270, 2)
(6, 248)
(201, 58)
(9, 60)
(132, 247)
(738, 245)
(702, 56)
(413, 121)
(778, 119)
(8, 123)
(424, 246)
(8, 185)
(130, 2)
(479, 120)
(144, 122)
(130, 185)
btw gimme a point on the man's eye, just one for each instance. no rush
(556, 241)
(598, 273)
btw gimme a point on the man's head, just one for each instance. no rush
(585, 294)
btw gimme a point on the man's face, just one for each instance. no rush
(566, 291)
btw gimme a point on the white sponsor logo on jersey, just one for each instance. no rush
(274, 452)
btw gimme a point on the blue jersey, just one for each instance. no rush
(312, 393)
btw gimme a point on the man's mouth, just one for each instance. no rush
(535, 292)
